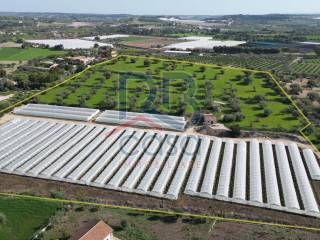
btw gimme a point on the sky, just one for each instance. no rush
(163, 7)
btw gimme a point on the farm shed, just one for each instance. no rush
(156, 121)
(93, 230)
(60, 112)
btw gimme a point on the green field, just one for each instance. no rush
(133, 39)
(271, 62)
(179, 88)
(20, 54)
(275, 63)
(24, 217)
(315, 38)
(307, 67)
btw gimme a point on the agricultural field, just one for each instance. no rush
(278, 64)
(315, 38)
(146, 42)
(20, 54)
(307, 67)
(21, 218)
(132, 39)
(24, 217)
(257, 62)
(179, 88)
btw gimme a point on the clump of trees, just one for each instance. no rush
(267, 112)
(233, 102)
(29, 80)
(58, 47)
(235, 130)
(314, 96)
(202, 69)
(104, 52)
(247, 79)
(295, 89)
(133, 60)
(146, 63)
(107, 103)
(237, 50)
(3, 73)
(233, 117)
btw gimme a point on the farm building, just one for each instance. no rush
(67, 43)
(172, 52)
(156, 121)
(80, 60)
(93, 230)
(209, 119)
(195, 42)
(107, 37)
(59, 112)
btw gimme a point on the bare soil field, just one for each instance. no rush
(228, 230)
(40, 187)
(10, 45)
(5, 97)
(303, 84)
(11, 66)
(82, 24)
(150, 42)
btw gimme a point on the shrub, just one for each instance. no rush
(202, 69)
(107, 75)
(235, 130)
(247, 80)
(267, 112)
(229, 118)
(132, 60)
(295, 89)
(94, 209)
(124, 223)
(314, 96)
(146, 63)
(3, 219)
(65, 235)
(57, 194)
(259, 98)
(79, 209)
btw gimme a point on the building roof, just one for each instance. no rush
(208, 117)
(178, 52)
(81, 59)
(93, 230)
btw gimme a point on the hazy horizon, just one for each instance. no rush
(167, 15)
(165, 7)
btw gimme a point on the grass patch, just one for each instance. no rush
(24, 217)
(180, 88)
(128, 225)
(20, 54)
